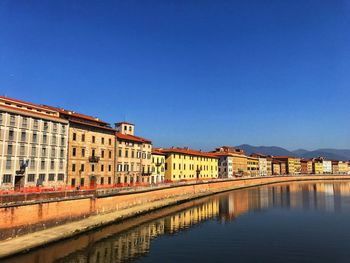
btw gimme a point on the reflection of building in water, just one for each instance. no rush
(235, 204)
(191, 216)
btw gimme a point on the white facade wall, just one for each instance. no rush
(42, 141)
(327, 167)
(225, 167)
(262, 166)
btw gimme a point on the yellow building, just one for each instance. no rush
(293, 164)
(232, 162)
(276, 167)
(134, 156)
(269, 166)
(317, 167)
(90, 150)
(342, 167)
(252, 166)
(158, 166)
(187, 164)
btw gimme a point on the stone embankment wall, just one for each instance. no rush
(21, 218)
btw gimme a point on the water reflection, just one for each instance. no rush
(115, 244)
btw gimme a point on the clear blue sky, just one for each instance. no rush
(188, 73)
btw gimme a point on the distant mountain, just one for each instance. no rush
(300, 152)
(268, 150)
(331, 154)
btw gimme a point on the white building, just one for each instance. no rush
(225, 165)
(327, 166)
(33, 145)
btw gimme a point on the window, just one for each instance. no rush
(102, 167)
(74, 152)
(74, 136)
(102, 154)
(83, 152)
(73, 167)
(36, 124)
(110, 141)
(60, 177)
(9, 149)
(126, 153)
(93, 139)
(54, 127)
(82, 181)
(61, 165)
(110, 154)
(8, 164)
(73, 182)
(102, 140)
(93, 152)
(46, 126)
(132, 154)
(62, 153)
(12, 120)
(54, 140)
(63, 129)
(109, 168)
(119, 167)
(42, 164)
(42, 177)
(43, 152)
(35, 137)
(83, 137)
(82, 167)
(32, 164)
(102, 180)
(44, 139)
(51, 177)
(31, 178)
(7, 178)
(92, 168)
(120, 152)
(53, 153)
(52, 165)
(24, 122)
(62, 141)
(11, 135)
(21, 150)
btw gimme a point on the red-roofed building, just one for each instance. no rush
(188, 164)
(34, 142)
(90, 150)
(133, 156)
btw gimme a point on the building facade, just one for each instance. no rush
(293, 164)
(133, 156)
(252, 166)
(187, 164)
(158, 166)
(33, 145)
(262, 163)
(342, 167)
(232, 162)
(90, 150)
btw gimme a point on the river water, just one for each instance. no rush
(294, 222)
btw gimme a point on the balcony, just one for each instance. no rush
(94, 159)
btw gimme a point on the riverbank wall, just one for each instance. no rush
(69, 217)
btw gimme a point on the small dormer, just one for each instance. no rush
(125, 128)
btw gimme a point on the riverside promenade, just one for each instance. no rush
(31, 224)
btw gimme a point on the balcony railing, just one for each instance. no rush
(94, 159)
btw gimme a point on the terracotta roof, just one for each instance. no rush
(124, 122)
(189, 152)
(132, 138)
(218, 154)
(43, 115)
(76, 114)
(285, 157)
(157, 151)
(24, 102)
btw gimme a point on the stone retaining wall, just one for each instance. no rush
(24, 218)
